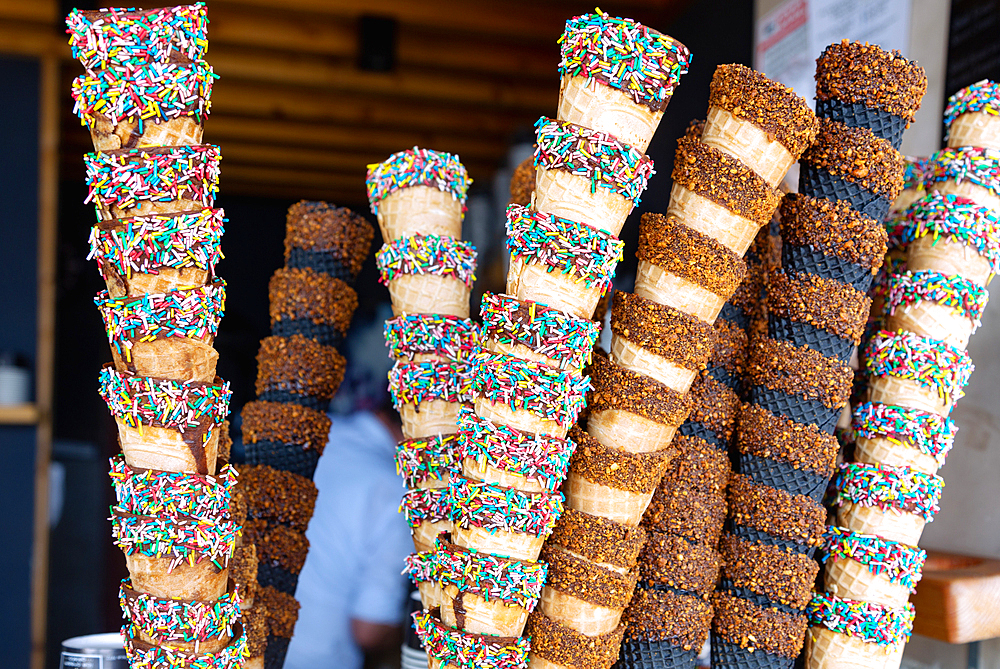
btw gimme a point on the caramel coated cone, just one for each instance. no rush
(429, 419)
(419, 210)
(599, 107)
(507, 544)
(177, 358)
(584, 617)
(747, 143)
(565, 292)
(631, 356)
(563, 194)
(932, 319)
(829, 650)
(948, 256)
(519, 419)
(596, 499)
(653, 283)
(906, 393)
(181, 131)
(627, 431)
(202, 581)
(479, 616)
(890, 524)
(885, 452)
(165, 449)
(707, 217)
(975, 129)
(429, 294)
(984, 197)
(849, 579)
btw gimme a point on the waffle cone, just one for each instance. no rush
(747, 143)
(627, 431)
(202, 581)
(631, 356)
(429, 419)
(429, 294)
(885, 452)
(520, 351)
(563, 194)
(166, 280)
(653, 283)
(948, 256)
(932, 319)
(505, 544)
(890, 524)
(430, 594)
(984, 197)
(164, 449)
(177, 358)
(469, 612)
(594, 105)
(254, 663)
(519, 419)
(975, 129)
(700, 213)
(426, 533)
(906, 393)
(483, 471)
(907, 197)
(180, 131)
(565, 292)
(849, 579)
(621, 506)
(584, 617)
(147, 208)
(536, 662)
(419, 210)
(826, 649)
(212, 645)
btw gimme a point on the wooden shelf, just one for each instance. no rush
(18, 414)
(958, 598)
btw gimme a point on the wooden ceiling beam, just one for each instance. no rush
(28, 38)
(354, 199)
(40, 11)
(323, 73)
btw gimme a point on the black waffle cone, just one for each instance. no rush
(286, 397)
(795, 408)
(646, 654)
(277, 577)
(764, 539)
(858, 115)
(318, 332)
(702, 431)
(818, 182)
(782, 475)
(320, 261)
(798, 258)
(822, 341)
(757, 599)
(286, 457)
(734, 315)
(274, 655)
(723, 376)
(729, 655)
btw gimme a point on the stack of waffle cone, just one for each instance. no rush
(171, 247)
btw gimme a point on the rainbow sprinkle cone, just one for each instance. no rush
(972, 116)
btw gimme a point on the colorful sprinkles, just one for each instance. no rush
(182, 405)
(421, 567)
(492, 507)
(555, 334)
(931, 363)
(956, 216)
(970, 164)
(964, 297)
(175, 620)
(429, 458)
(887, 487)
(427, 255)
(538, 457)
(931, 433)
(598, 157)
(145, 244)
(587, 254)
(410, 335)
(867, 621)
(142, 655)
(463, 650)
(116, 37)
(147, 492)
(548, 392)
(417, 167)
(127, 177)
(515, 582)
(982, 96)
(153, 92)
(897, 562)
(623, 54)
(432, 505)
(416, 382)
(182, 540)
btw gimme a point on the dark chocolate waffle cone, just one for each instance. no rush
(286, 457)
(858, 115)
(287, 397)
(782, 475)
(735, 315)
(326, 262)
(804, 334)
(321, 333)
(646, 654)
(277, 577)
(729, 655)
(763, 538)
(798, 258)
(818, 182)
(796, 409)
(702, 431)
(277, 648)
